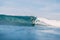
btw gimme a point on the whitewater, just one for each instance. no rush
(54, 23)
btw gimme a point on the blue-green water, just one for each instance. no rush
(17, 20)
(37, 32)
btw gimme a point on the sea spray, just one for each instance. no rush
(54, 23)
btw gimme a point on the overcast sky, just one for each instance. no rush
(44, 8)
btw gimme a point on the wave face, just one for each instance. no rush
(17, 20)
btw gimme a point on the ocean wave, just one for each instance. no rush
(17, 20)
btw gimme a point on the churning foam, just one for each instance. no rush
(54, 23)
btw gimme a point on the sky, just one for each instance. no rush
(42, 8)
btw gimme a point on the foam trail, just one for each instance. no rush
(54, 23)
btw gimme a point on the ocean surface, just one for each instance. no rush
(20, 28)
(37, 32)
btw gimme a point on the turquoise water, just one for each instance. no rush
(8, 32)
(17, 20)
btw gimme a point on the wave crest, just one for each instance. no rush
(55, 23)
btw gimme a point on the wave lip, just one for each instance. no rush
(17, 20)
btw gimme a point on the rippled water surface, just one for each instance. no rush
(36, 32)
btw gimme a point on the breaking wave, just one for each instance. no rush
(17, 20)
(27, 20)
(48, 22)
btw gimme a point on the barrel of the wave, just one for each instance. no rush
(17, 20)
